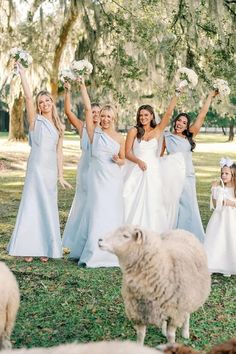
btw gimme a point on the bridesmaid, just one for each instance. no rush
(37, 230)
(72, 228)
(104, 207)
(181, 140)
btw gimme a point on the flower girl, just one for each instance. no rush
(220, 241)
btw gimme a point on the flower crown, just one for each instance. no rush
(226, 161)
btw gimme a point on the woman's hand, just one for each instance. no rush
(64, 183)
(115, 158)
(67, 86)
(118, 160)
(215, 93)
(142, 165)
(80, 80)
(18, 67)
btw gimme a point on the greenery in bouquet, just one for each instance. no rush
(185, 77)
(21, 56)
(67, 75)
(81, 68)
(222, 87)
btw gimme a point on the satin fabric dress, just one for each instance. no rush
(37, 229)
(150, 196)
(220, 240)
(188, 214)
(71, 235)
(104, 207)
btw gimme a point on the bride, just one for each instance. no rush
(148, 179)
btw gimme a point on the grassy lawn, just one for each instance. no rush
(63, 303)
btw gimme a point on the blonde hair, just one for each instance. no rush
(55, 116)
(110, 108)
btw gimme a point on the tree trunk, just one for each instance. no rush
(223, 130)
(16, 130)
(231, 131)
(62, 40)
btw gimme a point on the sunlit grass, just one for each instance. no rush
(63, 303)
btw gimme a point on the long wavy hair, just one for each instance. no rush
(55, 116)
(186, 132)
(139, 126)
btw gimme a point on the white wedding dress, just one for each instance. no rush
(151, 197)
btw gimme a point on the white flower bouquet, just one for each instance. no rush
(185, 77)
(21, 56)
(67, 75)
(81, 68)
(222, 87)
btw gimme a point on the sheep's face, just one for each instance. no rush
(122, 240)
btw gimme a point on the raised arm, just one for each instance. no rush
(196, 126)
(129, 149)
(168, 114)
(88, 111)
(76, 122)
(29, 102)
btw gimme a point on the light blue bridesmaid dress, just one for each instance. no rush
(104, 208)
(188, 215)
(37, 229)
(71, 236)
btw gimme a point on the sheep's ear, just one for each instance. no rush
(139, 236)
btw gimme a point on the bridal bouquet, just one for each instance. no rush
(222, 87)
(67, 75)
(186, 77)
(81, 68)
(21, 56)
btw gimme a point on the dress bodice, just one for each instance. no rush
(175, 143)
(103, 146)
(44, 134)
(224, 193)
(146, 149)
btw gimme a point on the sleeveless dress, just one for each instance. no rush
(220, 241)
(188, 215)
(145, 201)
(72, 229)
(104, 207)
(37, 229)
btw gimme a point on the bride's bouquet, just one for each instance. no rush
(185, 77)
(81, 68)
(222, 87)
(21, 56)
(67, 75)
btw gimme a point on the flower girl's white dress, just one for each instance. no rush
(220, 241)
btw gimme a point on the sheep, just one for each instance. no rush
(9, 304)
(165, 277)
(113, 347)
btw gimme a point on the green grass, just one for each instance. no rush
(63, 303)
